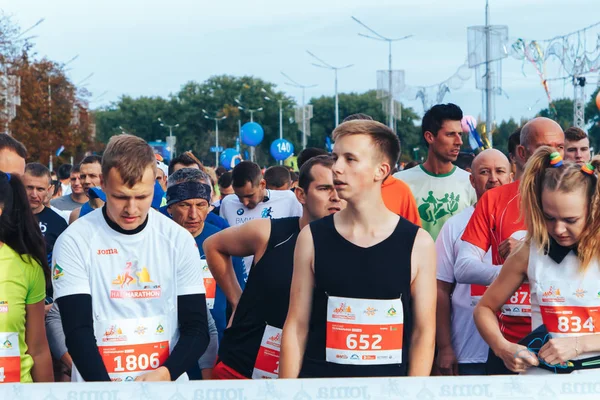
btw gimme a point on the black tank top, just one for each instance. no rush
(265, 299)
(343, 269)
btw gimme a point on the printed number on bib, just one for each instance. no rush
(131, 347)
(267, 359)
(10, 358)
(364, 332)
(519, 304)
(135, 358)
(210, 285)
(571, 319)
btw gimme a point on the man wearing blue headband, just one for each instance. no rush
(188, 203)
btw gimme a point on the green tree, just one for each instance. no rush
(218, 96)
(323, 121)
(563, 114)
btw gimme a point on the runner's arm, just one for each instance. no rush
(207, 360)
(78, 325)
(244, 240)
(511, 276)
(193, 334)
(470, 267)
(37, 344)
(72, 294)
(55, 333)
(445, 361)
(74, 215)
(295, 329)
(423, 293)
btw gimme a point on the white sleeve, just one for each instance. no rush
(223, 210)
(188, 264)
(444, 246)
(296, 208)
(69, 267)
(470, 267)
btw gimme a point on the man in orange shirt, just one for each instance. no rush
(497, 223)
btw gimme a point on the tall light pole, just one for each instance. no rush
(171, 143)
(216, 119)
(280, 102)
(325, 65)
(389, 42)
(303, 87)
(250, 110)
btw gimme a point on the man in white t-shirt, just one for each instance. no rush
(440, 188)
(253, 200)
(128, 280)
(460, 348)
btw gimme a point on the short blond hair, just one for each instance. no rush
(130, 155)
(384, 139)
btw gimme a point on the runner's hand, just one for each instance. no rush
(446, 361)
(559, 350)
(517, 358)
(507, 247)
(159, 374)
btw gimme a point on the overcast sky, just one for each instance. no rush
(151, 47)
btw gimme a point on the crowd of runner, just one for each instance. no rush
(123, 268)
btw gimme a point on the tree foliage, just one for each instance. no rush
(52, 112)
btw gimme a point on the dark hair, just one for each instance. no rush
(38, 170)
(130, 156)
(244, 172)
(225, 180)
(309, 153)
(19, 228)
(306, 171)
(575, 134)
(513, 141)
(91, 160)
(464, 160)
(434, 118)
(75, 170)
(9, 142)
(410, 164)
(294, 176)
(277, 176)
(186, 160)
(384, 140)
(356, 116)
(220, 170)
(64, 172)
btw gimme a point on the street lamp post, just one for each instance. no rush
(335, 70)
(303, 87)
(171, 144)
(389, 41)
(216, 119)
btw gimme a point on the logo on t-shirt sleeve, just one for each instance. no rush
(57, 272)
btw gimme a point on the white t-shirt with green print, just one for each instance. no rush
(438, 197)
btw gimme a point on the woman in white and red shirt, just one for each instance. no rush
(560, 260)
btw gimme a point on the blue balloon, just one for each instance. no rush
(281, 149)
(230, 158)
(252, 134)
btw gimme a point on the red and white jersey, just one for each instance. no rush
(564, 298)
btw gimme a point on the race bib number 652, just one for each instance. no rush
(364, 332)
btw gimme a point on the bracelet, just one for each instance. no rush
(576, 346)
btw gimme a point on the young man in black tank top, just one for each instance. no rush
(250, 346)
(363, 292)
